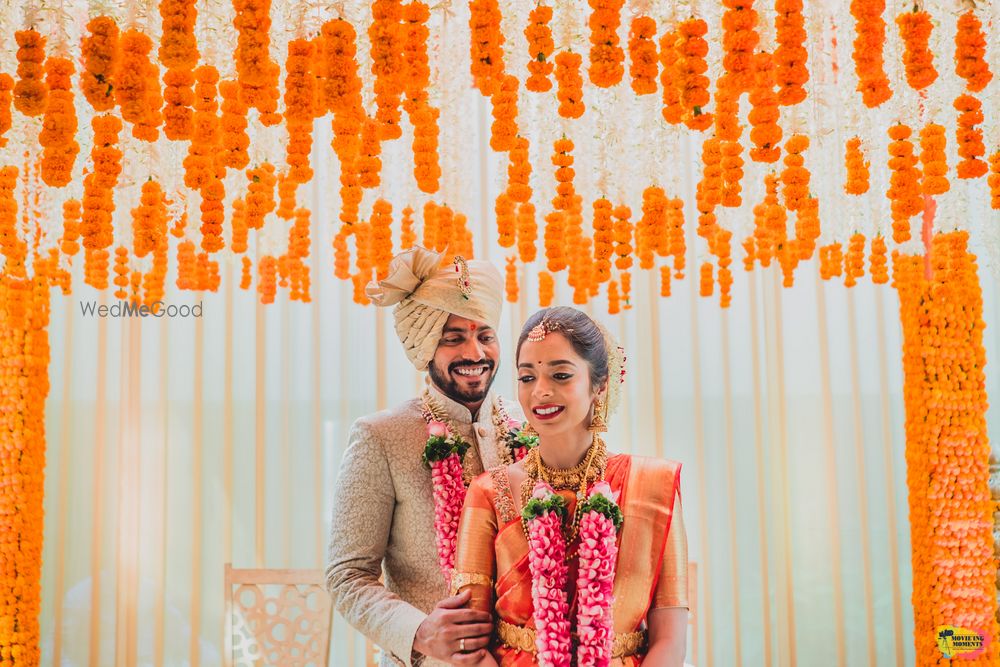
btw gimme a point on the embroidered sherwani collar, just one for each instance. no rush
(482, 430)
(457, 412)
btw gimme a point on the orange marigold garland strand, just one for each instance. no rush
(6, 98)
(569, 82)
(555, 241)
(504, 207)
(503, 132)
(858, 173)
(915, 31)
(869, 61)
(994, 180)
(652, 225)
(342, 95)
(100, 54)
(904, 182)
(739, 40)
(690, 69)
(706, 283)
(381, 240)
(121, 280)
(300, 97)
(149, 220)
(369, 163)
(12, 246)
(527, 233)
(791, 55)
(407, 236)
(723, 250)
(947, 447)
(510, 279)
(201, 165)
(341, 253)
(30, 91)
(540, 48)
(72, 212)
(238, 220)
(643, 62)
(24, 386)
(233, 125)
(137, 86)
(765, 133)
(246, 275)
(546, 288)
(98, 200)
(256, 72)
(58, 135)
(623, 232)
(267, 270)
(670, 77)
(878, 265)
(854, 261)
(607, 59)
(423, 117)
(519, 172)
(795, 177)
(286, 196)
(614, 300)
(970, 52)
(386, 36)
(179, 54)
(771, 235)
(486, 48)
(676, 244)
(260, 195)
(970, 137)
(932, 158)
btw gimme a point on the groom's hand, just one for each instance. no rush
(440, 635)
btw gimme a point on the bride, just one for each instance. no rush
(580, 555)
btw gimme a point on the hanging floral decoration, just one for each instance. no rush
(540, 48)
(179, 54)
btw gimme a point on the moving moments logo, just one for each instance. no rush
(955, 642)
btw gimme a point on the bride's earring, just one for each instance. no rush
(599, 422)
(528, 429)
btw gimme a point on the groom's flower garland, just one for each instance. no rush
(601, 518)
(443, 454)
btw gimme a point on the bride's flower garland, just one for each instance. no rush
(600, 520)
(443, 454)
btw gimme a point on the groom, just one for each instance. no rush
(383, 516)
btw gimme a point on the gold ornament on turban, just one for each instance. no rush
(425, 293)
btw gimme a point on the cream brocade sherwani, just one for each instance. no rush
(383, 521)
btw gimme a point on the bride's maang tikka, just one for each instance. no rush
(540, 330)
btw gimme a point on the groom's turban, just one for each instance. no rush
(425, 294)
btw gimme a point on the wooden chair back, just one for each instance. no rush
(276, 617)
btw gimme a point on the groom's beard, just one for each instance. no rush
(449, 385)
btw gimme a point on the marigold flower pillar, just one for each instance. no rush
(24, 384)
(947, 450)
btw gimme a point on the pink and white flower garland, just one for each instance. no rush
(443, 454)
(547, 562)
(598, 552)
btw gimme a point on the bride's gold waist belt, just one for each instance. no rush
(521, 638)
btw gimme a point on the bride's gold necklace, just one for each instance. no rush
(589, 470)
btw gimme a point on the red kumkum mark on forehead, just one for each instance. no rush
(473, 326)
